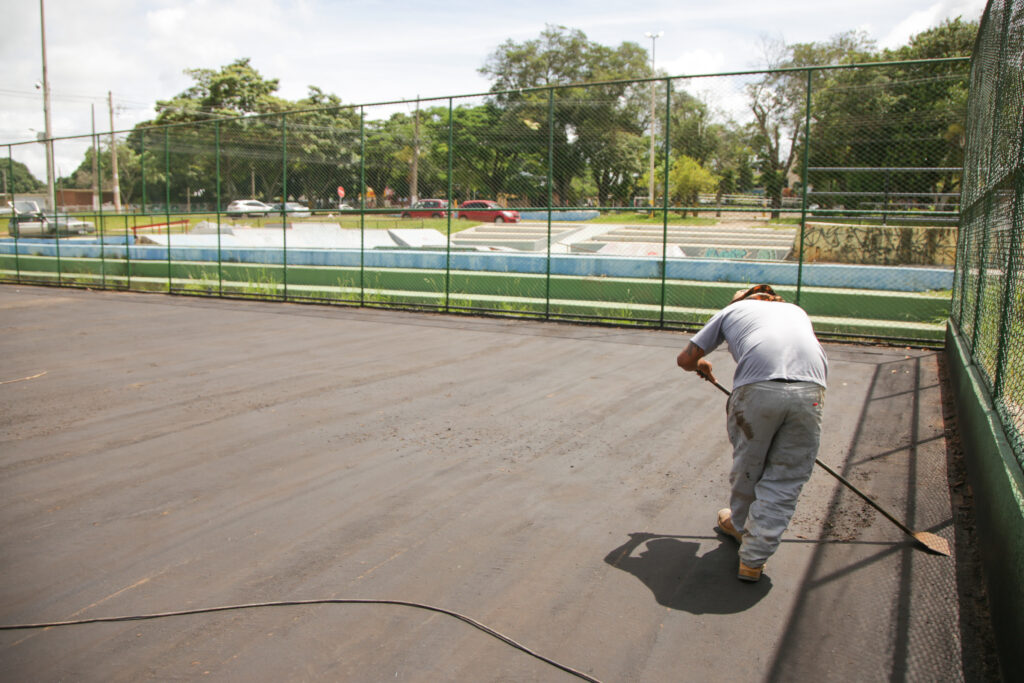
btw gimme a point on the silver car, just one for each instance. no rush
(28, 220)
(248, 207)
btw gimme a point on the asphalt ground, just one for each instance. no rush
(557, 483)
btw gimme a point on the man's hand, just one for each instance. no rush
(692, 359)
(704, 370)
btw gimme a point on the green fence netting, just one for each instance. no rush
(641, 202)
(988, 298)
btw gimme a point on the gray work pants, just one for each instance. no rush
(775, 428)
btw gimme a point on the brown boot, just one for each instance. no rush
(751, 574)
(726, 527)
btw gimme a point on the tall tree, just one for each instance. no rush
(778, 102)
(891, 117)
(18, 177)
(323, 149)
(236, 89)
(249, 146)
(585, 120)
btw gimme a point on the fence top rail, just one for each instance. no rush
(495, 93)
(879, 193)
(887, 169)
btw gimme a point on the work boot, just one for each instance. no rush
(750, 574)
(726, 527)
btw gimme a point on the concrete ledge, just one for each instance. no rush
(559, 215)
(998, 485)
(834, 310)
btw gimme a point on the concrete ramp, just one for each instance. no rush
(519, 236)
(416, 238)
(718, 241)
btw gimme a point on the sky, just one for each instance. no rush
(372, 51)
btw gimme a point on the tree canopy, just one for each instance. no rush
(567, 120)
(19, 178)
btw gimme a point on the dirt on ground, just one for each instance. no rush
(978, 640)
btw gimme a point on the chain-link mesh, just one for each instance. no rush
(987, 304)
(643, 202)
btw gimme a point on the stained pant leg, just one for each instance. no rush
(777, 430)
(752, 420)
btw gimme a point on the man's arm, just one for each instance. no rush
(692, 359)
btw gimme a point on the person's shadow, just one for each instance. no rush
(681, 580)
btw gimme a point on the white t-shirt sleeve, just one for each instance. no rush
(768, 340)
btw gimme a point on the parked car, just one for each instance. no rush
(28, 220)
(292, 208)
(485, 210)
(248, 207)
(343, 206)
(427, 208)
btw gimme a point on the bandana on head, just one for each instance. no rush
(757, 289)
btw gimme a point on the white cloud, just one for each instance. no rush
(699, 61)
(167, 21)
(371, 50)
(932, 15)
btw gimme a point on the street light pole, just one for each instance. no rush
(650, 182)
(50, 196)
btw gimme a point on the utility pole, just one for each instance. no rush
(51, 196)
(113, 155)
(97, 198)
(650, 184)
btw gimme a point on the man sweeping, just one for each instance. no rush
(774, 414)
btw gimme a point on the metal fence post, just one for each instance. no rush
(56, 226)
(95, 147)
(128, 244)
(10, 176)
(803, 187)
(551, 199)
(167, 204)
(362, 205)
(99, 219)
(220, 265)
(664, 214)
(448, 213)
(284, 205)
(980, 287)
(956, 308)
(142, 163)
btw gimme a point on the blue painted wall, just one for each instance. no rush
(887, 278)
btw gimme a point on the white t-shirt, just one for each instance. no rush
(768, 340)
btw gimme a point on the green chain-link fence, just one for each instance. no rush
(644, 202)
(988, 297)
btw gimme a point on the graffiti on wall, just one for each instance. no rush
(879, 245)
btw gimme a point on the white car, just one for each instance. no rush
(248, 207)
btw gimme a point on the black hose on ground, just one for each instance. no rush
(327, 601)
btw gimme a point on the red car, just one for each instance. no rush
(487, 211)
(427, 208)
